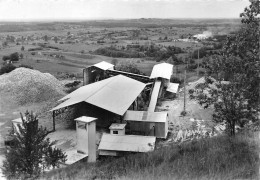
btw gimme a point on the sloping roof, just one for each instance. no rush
(173, 87)
(145, 116)
(114, 94)
(117, 126)
(104, 65)
(130, 143)
(163, 70)
(86, 119)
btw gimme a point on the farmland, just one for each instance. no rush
(69, 46)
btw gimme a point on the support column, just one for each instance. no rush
(53, 119)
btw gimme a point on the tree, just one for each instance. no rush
(14, 56)
(22, 48)
(4, 43)
(235, 100)
(31, 152)
(7, 68)
(21, 56)
(4, 58)
(114, 61)
(45, 38)
(55, 39)
(128, 66)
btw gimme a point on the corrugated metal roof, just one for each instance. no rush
(117, 126)
(145, 116)
(86, 119)
(104, 65)
(173, 87)
(163, 70)
(130, 143)
(114, 94)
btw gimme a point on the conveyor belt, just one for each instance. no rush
(154, 96)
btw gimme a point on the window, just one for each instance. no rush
(115, 132)
(81, 125)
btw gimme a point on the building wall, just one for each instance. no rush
(160, 129)
(82, 137)
(120, 132)
(107, 153)
(92, 147)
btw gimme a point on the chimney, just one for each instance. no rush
(85, 76)
(86, 136)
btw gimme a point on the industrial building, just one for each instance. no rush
(113, 93)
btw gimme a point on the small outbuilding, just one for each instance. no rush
(148, 123)
(173, 88)
(117, 128)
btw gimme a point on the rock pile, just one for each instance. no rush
(24, 86)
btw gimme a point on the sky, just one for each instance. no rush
(29, 10)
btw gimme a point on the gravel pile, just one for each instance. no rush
(24, 86)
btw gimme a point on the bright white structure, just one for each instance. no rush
(86, 137)
(173, 87)
(113, 145)
(163, 70)
(16, 123)
(104, 65)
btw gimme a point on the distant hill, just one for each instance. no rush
(140, 23)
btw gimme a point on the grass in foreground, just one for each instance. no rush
(215, 158)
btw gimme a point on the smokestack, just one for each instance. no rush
(85, 75)
(86, 136)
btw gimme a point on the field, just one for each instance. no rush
(86, 37)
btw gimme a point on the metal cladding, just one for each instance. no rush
(114, 94)
(163, 70)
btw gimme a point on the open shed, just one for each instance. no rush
(115, 95)
(148, 123)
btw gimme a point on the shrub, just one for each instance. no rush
(114, 61)
(14, 56)
(32, 151)
(73, 84)
(183, 113)
(5, 58)
(201, 72)
(176, 80)
(71, 89)
(128, 66)
(7, 68)
(26, 66)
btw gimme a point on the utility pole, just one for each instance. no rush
(184, 106)
(184, 100)
(198, 62)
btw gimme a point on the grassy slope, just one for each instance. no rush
(216, 158)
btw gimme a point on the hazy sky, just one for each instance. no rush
(24, 10)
